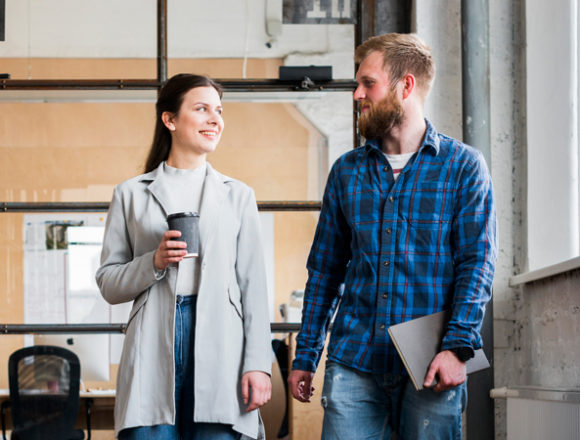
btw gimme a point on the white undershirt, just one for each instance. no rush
(398, 162)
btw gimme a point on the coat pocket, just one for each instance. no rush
(235, 298)
(138, 305)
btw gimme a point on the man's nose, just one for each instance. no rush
(358, 93)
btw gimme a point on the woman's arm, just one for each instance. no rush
(251, 278)
(122, 276)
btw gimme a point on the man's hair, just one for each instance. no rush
(402, 54)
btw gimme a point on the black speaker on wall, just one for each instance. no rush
(2, 19)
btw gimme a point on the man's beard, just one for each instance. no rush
(381, 118)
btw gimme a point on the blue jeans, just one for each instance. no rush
(367, 406)
(184, 427)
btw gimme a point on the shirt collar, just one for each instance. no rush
(431, 138)
(430, 142)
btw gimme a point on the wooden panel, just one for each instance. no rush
(79, 151)
(135, 68)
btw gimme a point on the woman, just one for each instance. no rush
(196, 358)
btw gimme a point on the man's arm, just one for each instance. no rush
(474, 244)
(326, 266)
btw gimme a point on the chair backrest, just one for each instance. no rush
(44, 391)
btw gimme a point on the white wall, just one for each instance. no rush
(552, 136)
(440, 27)
(80, 28)
(127, 28)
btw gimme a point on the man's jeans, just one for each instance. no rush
(367, 406)
(184, 428)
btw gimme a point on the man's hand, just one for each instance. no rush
(258, 385)
(450, 371)
(300, 382)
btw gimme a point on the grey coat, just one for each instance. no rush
(232, 333)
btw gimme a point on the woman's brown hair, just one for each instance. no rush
(170, 100)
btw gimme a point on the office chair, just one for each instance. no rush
(275, 412)
(44, 394)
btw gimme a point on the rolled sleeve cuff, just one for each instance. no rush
(304, 364)
(456, 340)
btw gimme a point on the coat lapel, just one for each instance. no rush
(214, 192)
(155, 187)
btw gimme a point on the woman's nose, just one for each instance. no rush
(214, 118)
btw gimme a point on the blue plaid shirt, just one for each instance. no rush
(390, 251)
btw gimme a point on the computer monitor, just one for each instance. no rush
(92, 350)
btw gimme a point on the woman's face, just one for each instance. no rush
(198, 126)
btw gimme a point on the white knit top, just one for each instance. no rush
(185, 187)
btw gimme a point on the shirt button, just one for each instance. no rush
(385, 295)
(386, 263)
(386, 169)
(382, 326)
(391, 199)
(389, 230)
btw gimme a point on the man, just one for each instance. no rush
(407, 228)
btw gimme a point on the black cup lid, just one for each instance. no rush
(182, 214)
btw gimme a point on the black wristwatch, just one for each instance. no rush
(462, 353)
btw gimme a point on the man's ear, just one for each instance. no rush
(408, 85)
(167, 118)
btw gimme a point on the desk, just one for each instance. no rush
(103, 403)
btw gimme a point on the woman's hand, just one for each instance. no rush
(256, 384)
(169, 250)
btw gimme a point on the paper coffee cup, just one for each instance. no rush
(188, 224)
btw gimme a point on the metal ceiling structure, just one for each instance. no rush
(14, 207)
